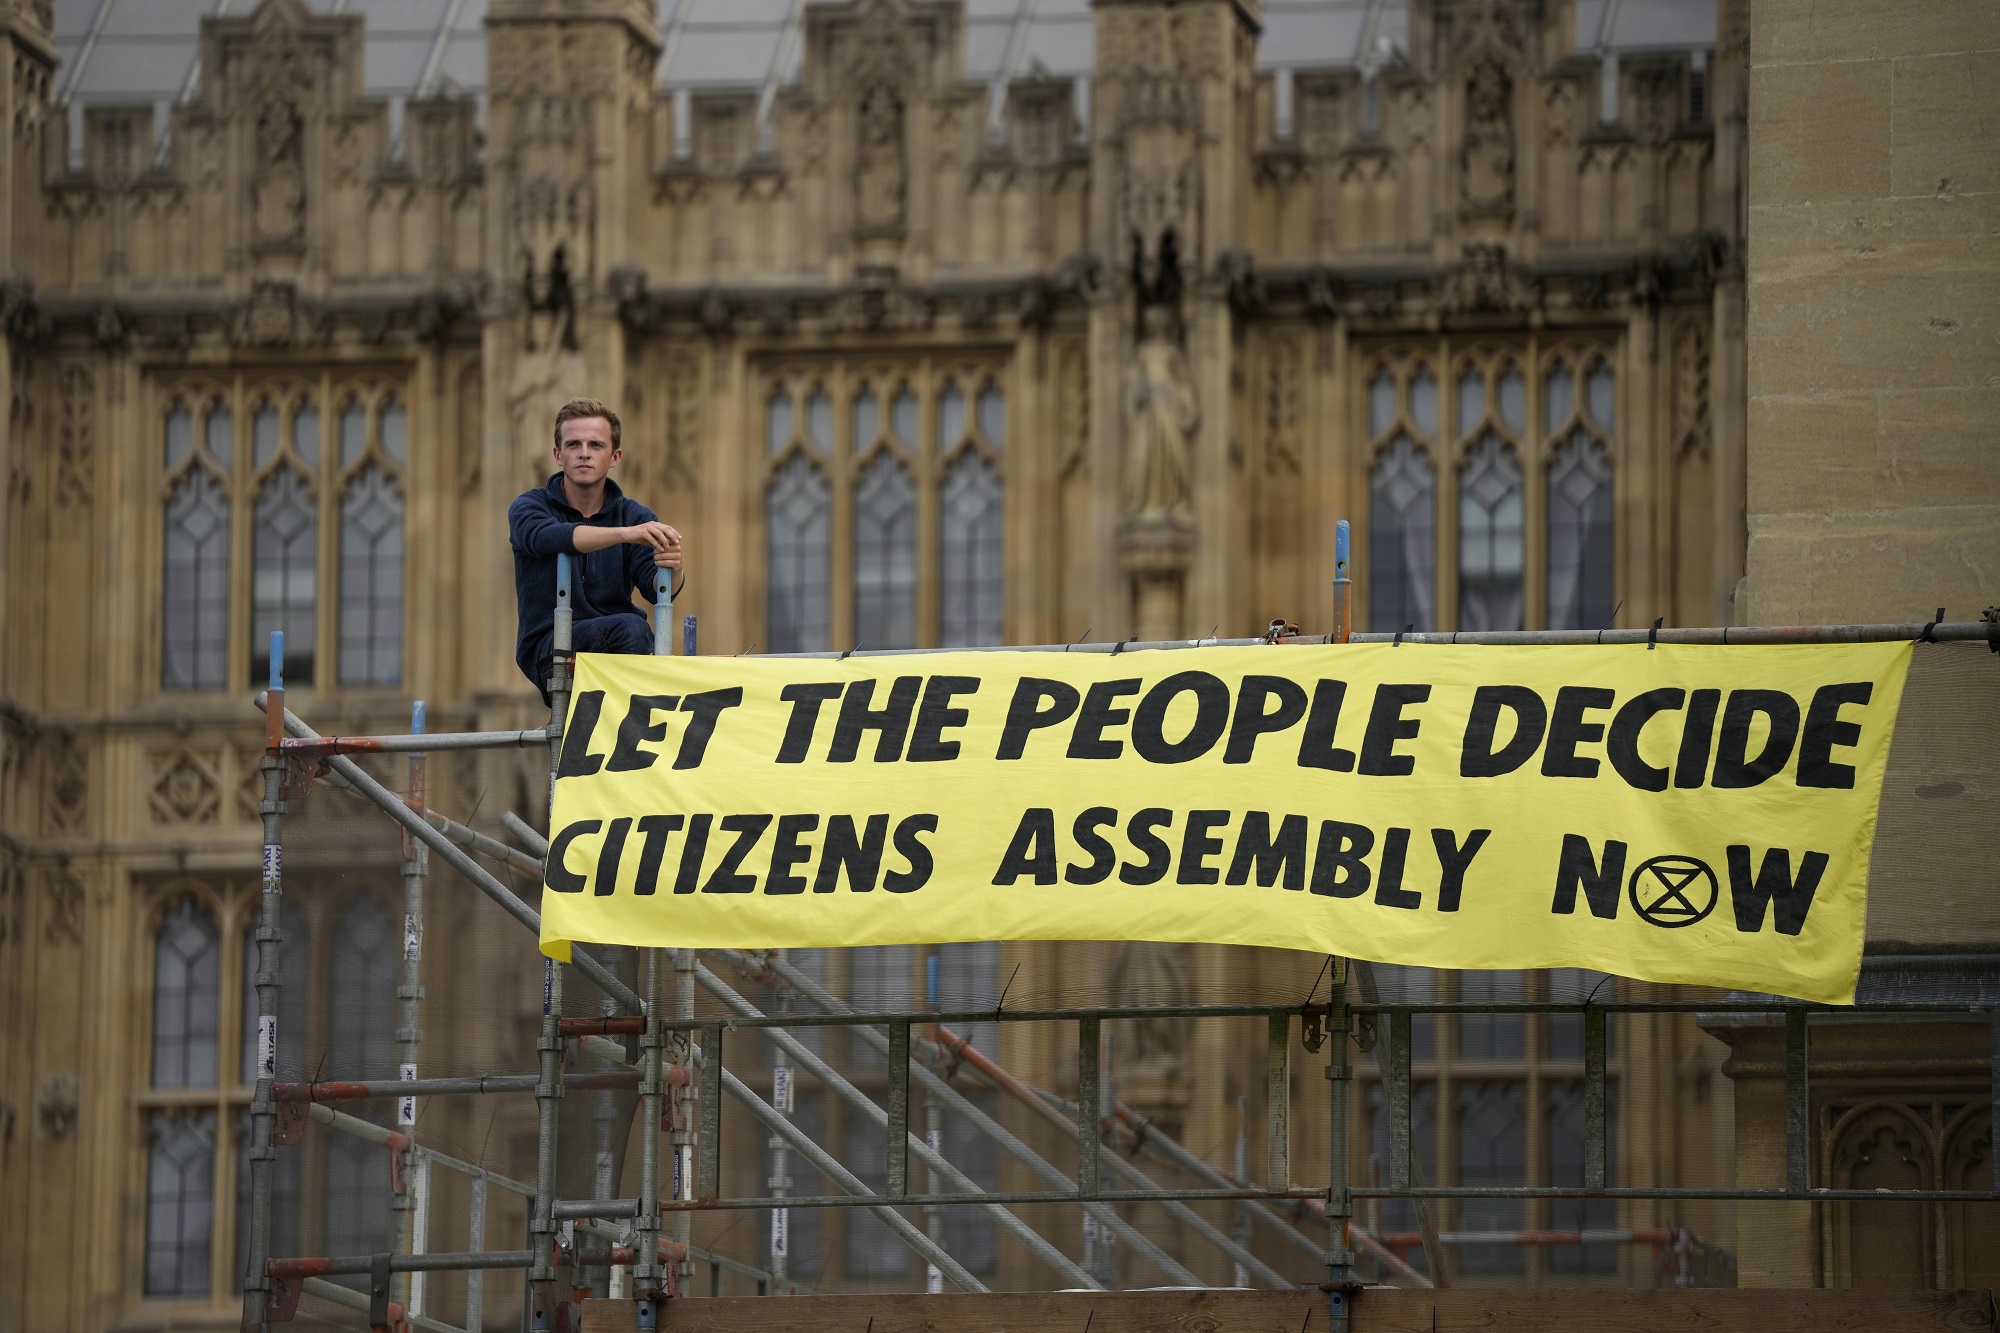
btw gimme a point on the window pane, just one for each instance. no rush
(1491, 1036)
(1492, 1151)
(371, 580)
(363, 968)
(1471, 400)
(798, 546)
(1600, 395)
(1578, 985)
(872, 1251)
(1402, 539)
(867, 419)
(819, 419)
(951, 416)
(395, 432)
(221, 435)
(1399, 1216)
(969, 1233)
(305, 433)
(1491, 538)
(968, 977)
(993, 416)
(885, 555)
(1561, 397)
(878, 981)
(1563, 1110)
(1398, 984)
(180, 1202)
(293, 998)
(1513, 399)
(353, 432)
(264, 434)
(1582, 550)
(180, 435)
(283, 573)
(903, 417)
(778, 421)
(970, 611)
(1424, 402)
(195, 587)
(1381, 404)
(187, 987)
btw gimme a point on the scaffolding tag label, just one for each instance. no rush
(1675, 813)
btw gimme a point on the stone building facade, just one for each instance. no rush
(918, 355)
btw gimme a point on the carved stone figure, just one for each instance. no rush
(279, 186)
(1163, 415)
(879, 167)
(1487, 159)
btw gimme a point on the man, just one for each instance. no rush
(615, 544)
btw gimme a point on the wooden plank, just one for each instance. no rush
(1458, 1310)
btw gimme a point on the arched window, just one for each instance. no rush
(1492, 1151)
(284, 573)
(970, 611)
(1582, 545)
(371, 549)
(885, 554)
(798, 526)
(195, 565)
(1492, 550)
(180, 1201)
(1402, 538)
(187, 974)
(363, 970)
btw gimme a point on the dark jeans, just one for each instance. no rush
(621, 632)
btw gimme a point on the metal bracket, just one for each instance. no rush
(290, 1125)
(378, 1292)
(1312, 1028)
(282, 1301)
(300, 773)
(396, 1185)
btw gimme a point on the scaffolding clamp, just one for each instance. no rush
(290, 1125)
(281, 1302)
(301, 771)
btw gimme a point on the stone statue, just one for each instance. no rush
(1162, 415)
(1488, 156)
(278, 195)
(879, 172)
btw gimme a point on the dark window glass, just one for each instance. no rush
(364, 969)
(1492, 1151)
(1582, 552)
(798, 542)
(970, 612)
(1491, 1036)
(195, 590)
(180, 1201)
(970, 1233)
(284, 575)
(1492, 548)
(1400, 1226)
(371, 580)
(1402, 539)
(885, 555)
(187, 976)
(1563, 1110)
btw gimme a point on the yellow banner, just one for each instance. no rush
(1677, 814)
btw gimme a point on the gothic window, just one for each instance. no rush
(187, 961)
(799, 521)
(294, 491)
(195, 591)
(1402, 498)
(1581, 551)
(361, 1044)
(889, 532)
(885, 537)
(371, 553)
(180, 1202)
(1496, 1100)
(1492, 518)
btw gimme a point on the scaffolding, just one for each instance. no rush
(660, 1050)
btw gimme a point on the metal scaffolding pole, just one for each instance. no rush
(270, 936)
(413, 1203)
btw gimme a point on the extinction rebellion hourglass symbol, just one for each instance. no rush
(1673, 891)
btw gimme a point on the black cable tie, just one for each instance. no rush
(851, 651)
(1122, 644)
(1929, 635)
(1401, 632)
(1652, 635)
(1079, 638)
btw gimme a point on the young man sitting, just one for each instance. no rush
(615, 544)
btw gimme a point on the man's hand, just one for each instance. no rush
(665, 541)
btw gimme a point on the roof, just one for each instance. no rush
(139, 51)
